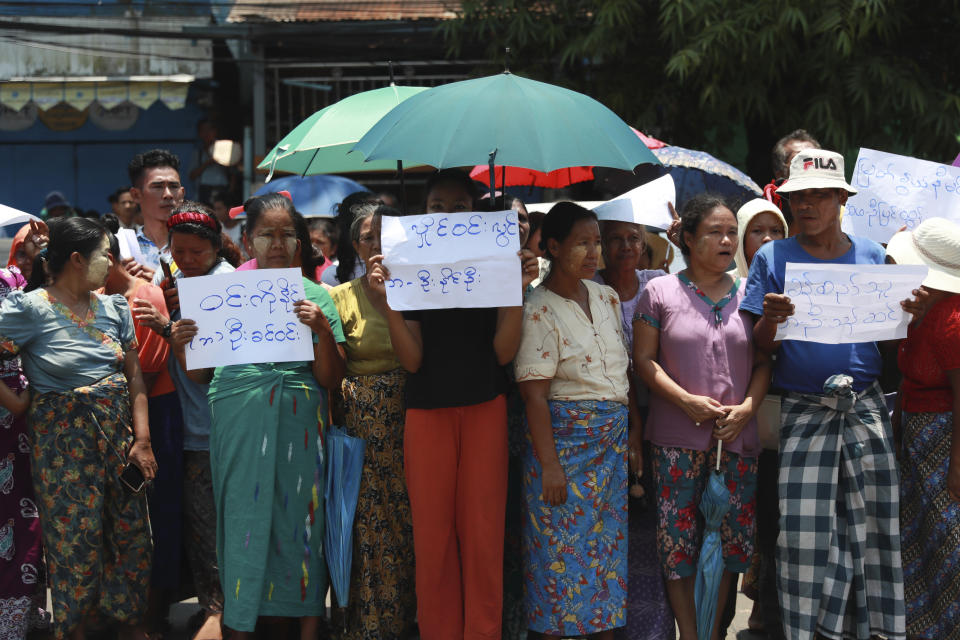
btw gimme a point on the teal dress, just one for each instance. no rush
(267, 459)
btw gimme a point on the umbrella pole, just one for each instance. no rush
(503, 181)
(493, 176)
(719, 446)
(403, 189)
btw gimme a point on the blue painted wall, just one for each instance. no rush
(89, 163)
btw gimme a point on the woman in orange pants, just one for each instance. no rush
(455, 443)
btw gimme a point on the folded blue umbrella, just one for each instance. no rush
(344, 468)
(714, 505)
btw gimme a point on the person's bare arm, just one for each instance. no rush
(776, 309)
(141, 453)
(506, 340)
(329, 362)
(553, 479)
(404, 335)
(646, 347)
(182, 332)
(729, 427)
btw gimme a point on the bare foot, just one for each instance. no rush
(211, 628)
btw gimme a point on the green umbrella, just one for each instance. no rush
(322, 142)
(518, 122)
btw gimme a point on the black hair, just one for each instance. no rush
(346, 211)
(455, 177)
(779, 155)
(114, 246)
(536, 220)
(258, 205)
(694, 211)
(114, 197)
(195, 228)
(150, 160)
(67, 236)
(111, 222)
(559, 221)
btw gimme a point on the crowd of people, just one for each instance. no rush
(529, 471)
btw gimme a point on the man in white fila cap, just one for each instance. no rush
(838, 552)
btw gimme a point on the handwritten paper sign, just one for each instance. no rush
(245, 317)
(447, 260)
(843, 303)
(893, 191)
(647, 204)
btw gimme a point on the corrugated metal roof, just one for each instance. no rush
(323, 10)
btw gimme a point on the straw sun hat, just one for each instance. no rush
(935, 243)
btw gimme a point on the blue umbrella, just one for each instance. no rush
(695, 172)
(344, 467)
(313, 195)
(714, 504)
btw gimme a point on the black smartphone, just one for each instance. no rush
(166, 272)
(132, 478)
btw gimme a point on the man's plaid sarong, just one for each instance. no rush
(838, 554)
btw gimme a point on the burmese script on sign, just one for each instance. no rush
(245, 317)
(843, 303)
(449, 260)
(895, 191)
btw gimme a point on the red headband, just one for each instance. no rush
(194, 217)
(236, 211)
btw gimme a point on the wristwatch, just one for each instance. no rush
(167, 329)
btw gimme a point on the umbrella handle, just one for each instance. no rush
(719, 447)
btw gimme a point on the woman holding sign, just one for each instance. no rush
(930, 428)
(195, 239)
(572, 368)
(694, 348)
(455, 443)
(266, 448)
(90, 429)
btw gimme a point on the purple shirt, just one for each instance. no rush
(703, 357)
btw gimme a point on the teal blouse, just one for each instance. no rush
(59, 350)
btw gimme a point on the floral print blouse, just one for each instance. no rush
(584, 360)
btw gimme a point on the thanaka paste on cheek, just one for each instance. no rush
(97, 270)
(575, 259)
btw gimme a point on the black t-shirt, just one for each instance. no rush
(459, 366)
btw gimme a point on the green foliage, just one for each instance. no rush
(878, 73)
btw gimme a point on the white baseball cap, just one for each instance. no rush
(816, 169)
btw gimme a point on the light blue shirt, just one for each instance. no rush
(60, 351)
(805, 366)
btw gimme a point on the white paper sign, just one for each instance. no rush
(448, 260)
(893, 191)
(9, 215)
(843, 303)
(129, 246)
(245, 317)
(647, 204)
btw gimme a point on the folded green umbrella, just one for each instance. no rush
(517, 121)
(322, 142)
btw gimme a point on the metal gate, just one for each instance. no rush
(297, 90)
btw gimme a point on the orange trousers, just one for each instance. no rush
(456, 468)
